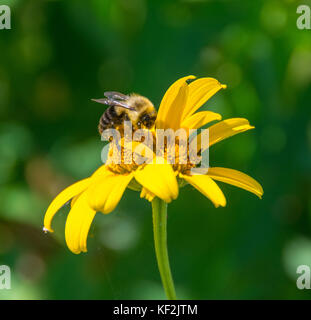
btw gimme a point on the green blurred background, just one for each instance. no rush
(60, 54)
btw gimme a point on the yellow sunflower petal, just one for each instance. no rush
(199, 92)
(225, 129)
(78, 224)
(159, 179)
(177, 108)
(208, 187)
(62, 199)
(74, 199)
(173, 103)
(105, 194)
(200, 119)
(71, 192)
(145, 193)
(236, 178)
(100, 171)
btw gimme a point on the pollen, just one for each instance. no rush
(122, 157)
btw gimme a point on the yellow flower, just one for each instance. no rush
(104, 189)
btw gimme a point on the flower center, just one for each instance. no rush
(124, 157)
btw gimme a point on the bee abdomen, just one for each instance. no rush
(109, 119)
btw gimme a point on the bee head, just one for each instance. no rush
(148, 117)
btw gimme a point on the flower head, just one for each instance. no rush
(159, 178)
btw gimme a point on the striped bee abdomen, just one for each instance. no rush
(109, 119)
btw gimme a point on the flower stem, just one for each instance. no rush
(159, 211)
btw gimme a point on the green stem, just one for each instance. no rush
(159, 211)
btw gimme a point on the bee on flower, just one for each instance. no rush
(157, 180)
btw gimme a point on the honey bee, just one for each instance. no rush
(133, 107)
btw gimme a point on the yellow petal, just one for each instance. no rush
(159, 179)
(208, 187)
(78, 224)
(225, 129)
(105, 194)
(102, 170)
(236, 178)
(62, 199)
(173, 117)
(74, 199)
(70, 192)
(200, 119)
(172, 104)
(145, 193)
(199, 92)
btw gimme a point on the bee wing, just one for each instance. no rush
(112, 102)
(103, 101)
(115, 95)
